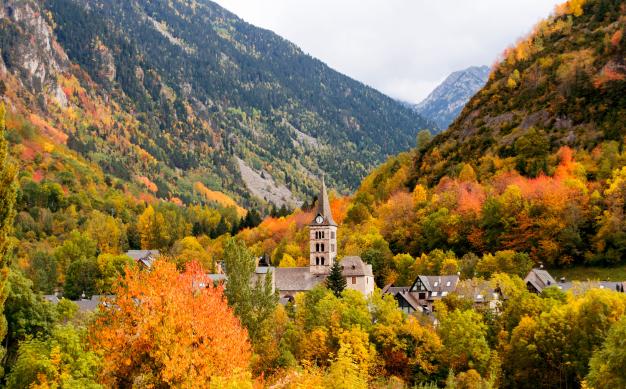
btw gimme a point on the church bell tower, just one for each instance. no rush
(323, 238)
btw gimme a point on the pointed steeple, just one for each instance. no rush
(323, 208)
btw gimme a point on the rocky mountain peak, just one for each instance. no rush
(446, 101)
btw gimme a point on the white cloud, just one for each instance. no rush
(402, 47)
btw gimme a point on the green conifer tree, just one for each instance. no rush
(335, 281)
(8, 189)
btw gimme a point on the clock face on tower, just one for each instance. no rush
(319, 219)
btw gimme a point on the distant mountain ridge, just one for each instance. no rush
(174, 94)
(446, 101)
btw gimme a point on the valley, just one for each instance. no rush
(188, 200)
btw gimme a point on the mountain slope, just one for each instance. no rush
(191, 92)
(446, 101)
(563, 85)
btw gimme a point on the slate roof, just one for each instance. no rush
(51, 298)
(610, 285)
(83, 304)
(300, 278)
(146, 257)
(439, 284)
(294, 279)
(539, 279)
(354, 266)
(411, 299)
(323, 208)
(389, 288)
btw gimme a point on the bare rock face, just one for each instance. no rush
(32, 53)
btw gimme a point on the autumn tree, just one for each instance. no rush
(532, 151)
(167, 328)
(82, 278)
(108, 232)
(8, 189)
(507, 261)
(189, 249)
(463, 334)
(25, 311)
(252, 298)
(607, 363)
(153, 229)
(60, 360)
(335, 280)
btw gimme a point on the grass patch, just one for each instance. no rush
(584, 273)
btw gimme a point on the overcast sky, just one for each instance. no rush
(403, 48)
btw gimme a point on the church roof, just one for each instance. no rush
(323, 208)
(296, 279)
(354, 266)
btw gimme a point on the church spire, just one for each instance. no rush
(323, 207)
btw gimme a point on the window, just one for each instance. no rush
(443, 294)
(434, 294)
(436, 283)
(322, 234)
(322, 247)
(317, 247)
(332, 235)
(353, 280)
(332, 247)
(422, 296)
(322, 261)
(448, 283)
(317, 260)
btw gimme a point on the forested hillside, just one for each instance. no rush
(173, 95)
(562, 85)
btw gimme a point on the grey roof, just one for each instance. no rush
(264, 269)
(323, 208)
(217, 277)
(584, 285)
(354, 266)
(539, 279)
(295, 279)
(389, 288)
(146, 257)
(141, 254)
(83, 304)
(411, 299)
(51, 298)
(440, 283)
(478, 290)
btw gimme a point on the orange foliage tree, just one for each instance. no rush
(167, 328)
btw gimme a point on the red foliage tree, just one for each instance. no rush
(165, 328)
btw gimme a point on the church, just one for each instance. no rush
(323, 254)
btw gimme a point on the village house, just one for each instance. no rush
(144, 258)
(539, 279)
(426, 290)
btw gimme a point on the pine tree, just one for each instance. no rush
(335, 280)
(8, 190)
